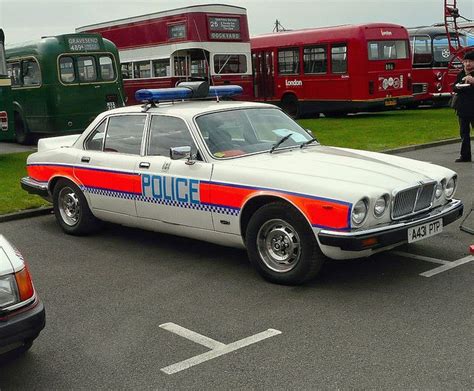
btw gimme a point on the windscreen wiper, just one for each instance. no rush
(281, 141)
(309, 142)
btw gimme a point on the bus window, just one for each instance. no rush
(14, 71)
(388, 50)
(230, 63)
(126, 70)
(31, 72)
(422, 50)
(66, 69)
(141, 70)
(87, 69)
(161, 68)
(106, 68)
(339, 58)
(288, 61)
(315, 59)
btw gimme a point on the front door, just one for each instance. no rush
(171, 190)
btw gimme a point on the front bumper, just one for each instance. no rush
(364, 242)
(21, 326)
(34, 187)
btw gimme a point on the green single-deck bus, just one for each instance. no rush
(6, 118)
(61, 83)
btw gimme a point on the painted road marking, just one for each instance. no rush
(420, 257)
(217, 348)
(446, 264)
(451, 265)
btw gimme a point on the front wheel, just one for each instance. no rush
(71, 209)
(282, 246)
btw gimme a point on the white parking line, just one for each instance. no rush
(448, 266)
(420, 257)
(217, 348)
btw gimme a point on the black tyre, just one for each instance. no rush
(22, 134)
(71, 209)
(282, 246)
(291, 106)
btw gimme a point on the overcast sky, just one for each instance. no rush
(24, 20)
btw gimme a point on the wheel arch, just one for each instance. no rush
(254, 203)
(54, 180)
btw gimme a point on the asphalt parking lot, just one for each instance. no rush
(124, 306)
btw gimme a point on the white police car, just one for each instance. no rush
(22, 314)
(239, 174)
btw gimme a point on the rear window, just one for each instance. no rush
(388, 50)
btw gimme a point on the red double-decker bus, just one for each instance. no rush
(206, 42)
(432, 57)
(333, 70)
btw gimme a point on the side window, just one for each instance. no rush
(422, 53)
(31, 72)
(230, 63)
(95, 142)
(161, 68)
(124, 134)
(288, 61)
(106, 66)
(87, 68)
(66, 70)
(168, 132)
(14, 71)
(126, 70)
(339, 58)
(141, 70)
(315, 59)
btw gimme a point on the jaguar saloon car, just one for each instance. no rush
(239, 174)
(22, 314)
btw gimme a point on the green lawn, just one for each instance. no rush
(12, 197)
(386, 130)
(376, 132)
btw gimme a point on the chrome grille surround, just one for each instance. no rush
(413, 200)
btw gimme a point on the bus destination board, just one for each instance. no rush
(81, 44)
(224, 28)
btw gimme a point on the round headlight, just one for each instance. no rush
(359, 212)
(450, 187)
(439, 189)
(439, 76)
(380, 206)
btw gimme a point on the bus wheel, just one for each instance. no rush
(71, 209)
(281, 245)
(290, 106)
(22, 135)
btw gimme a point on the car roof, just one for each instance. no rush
(190, 108)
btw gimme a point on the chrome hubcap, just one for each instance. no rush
(69, 206)
(279, 245)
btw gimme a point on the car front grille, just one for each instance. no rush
(413, 200)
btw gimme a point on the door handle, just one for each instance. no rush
(85, 159)
(144, 165)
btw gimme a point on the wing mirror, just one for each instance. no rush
(178, 153)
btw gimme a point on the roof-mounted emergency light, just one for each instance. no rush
(187, 90)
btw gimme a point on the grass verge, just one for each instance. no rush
(12, 197)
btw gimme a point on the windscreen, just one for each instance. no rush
(441, 52)
(241, 132)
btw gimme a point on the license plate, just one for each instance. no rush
(390, 102)
(425, 230)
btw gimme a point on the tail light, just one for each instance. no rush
(3, 121)
(25, 286)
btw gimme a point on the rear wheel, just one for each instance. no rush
(282, 246)
(22, 134)
(291, 106)
(71, 209)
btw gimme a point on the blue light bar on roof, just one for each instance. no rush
(226, 90)
(162, 94)
(188, 90)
